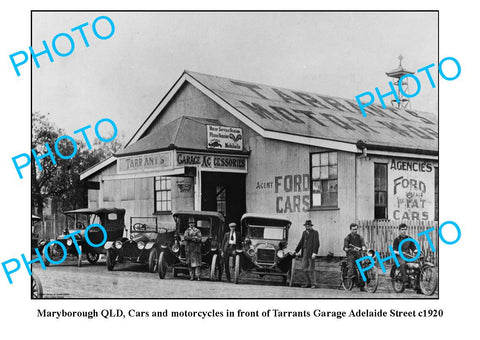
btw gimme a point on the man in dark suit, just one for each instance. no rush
(231, 241)
(309, 244)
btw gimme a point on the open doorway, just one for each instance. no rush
(224, 192)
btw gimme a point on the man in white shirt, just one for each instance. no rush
(231, 241)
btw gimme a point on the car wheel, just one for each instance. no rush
(110, 260)
(153, 260)
(79, 263)
(162, 266)
(237, 269)
(37, 289)
(92, 257)
(291, 273)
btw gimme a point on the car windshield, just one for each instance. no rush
(203, 223)
(264, 232)
(80, 221)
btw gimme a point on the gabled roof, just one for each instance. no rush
(301, 117)
(182, 133)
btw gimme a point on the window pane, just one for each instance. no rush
(157, 184)
(324, 186)
(316, 200)
(333, 186)
(169, 183)
(324, 158)
(324, 172)
(158, 206)
(316, 173)
(332, 171)
(332, 158)
(329, 199)
(316, 186)
(315, 159)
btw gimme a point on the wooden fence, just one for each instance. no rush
(379, 234)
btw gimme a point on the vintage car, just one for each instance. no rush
(212, 227)
(111, 219)
(264, 250)
(141, 246)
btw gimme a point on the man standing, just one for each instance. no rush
(408, 250)
(309, 244)
(231, 241)
(353, 244)
(193, 247)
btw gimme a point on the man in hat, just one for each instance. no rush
(193, 249)
(309, 244)
(231, 241)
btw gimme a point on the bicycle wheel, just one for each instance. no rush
(347, 282)
(372, 280)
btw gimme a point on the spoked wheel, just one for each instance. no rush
(110, 260)
(216, 268)
(153, 260)
(237, 269)
(162, 266)
(79, 261)
(290, 275)
(397, 283)
(37, 290)
(92, 257)
(372, 280)
(428, 280)
(55, 253)
(347, 282)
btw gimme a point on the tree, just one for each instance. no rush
(61, 181)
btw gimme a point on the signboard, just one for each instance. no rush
(224, 137)
(145, 162)
(411, 190)
(211, 161)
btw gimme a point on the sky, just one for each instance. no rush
(124, 77)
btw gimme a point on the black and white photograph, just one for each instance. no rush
(271, 166)
(251, 131)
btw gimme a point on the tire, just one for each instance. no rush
(37, 289)
(291, 274)
(44, 258)
(347, 282)
(397, 284)
(79, 261)
(153, 260)
(428, 280)
(214, 270)
(372, 280)
(237, 269)
(92, 257)
(162, 266)
(110, 260)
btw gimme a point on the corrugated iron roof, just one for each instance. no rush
(182, 133)
(314, 115)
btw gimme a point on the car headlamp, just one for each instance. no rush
(69, 242)
(141, 245)
(175, 248)
(251, 252)
(118, 244)
(280, 254)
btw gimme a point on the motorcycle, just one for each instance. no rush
(371, 275)
(421, 275)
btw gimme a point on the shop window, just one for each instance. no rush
(324, 180)
(163, 194)
(436, 195)
(381, 191)
(221, 200)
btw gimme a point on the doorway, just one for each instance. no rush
(224, 192)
